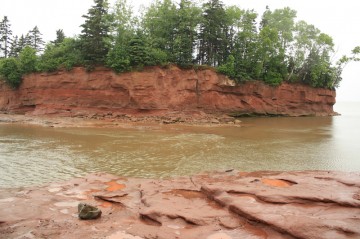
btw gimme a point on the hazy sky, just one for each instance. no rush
(339, 19)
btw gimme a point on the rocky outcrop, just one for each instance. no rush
(157, 91)
(222, 205)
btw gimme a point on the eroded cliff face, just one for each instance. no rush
(158, 91)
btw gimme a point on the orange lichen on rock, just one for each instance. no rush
(106, 204)
(276, 182)
(114, 186)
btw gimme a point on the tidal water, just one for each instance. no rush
(32, 155)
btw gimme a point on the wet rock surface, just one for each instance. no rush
(232, 204)
(158, 91)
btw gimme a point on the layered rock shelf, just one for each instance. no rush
(219, 205)
(158, 91)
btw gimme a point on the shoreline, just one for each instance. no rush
(214, 205)
(123, 121)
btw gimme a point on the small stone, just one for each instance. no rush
(215, 121)
(237, 121)
(88, 212)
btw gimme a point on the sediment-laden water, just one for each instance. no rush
(32, 155)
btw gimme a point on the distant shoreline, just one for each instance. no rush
(122, 122)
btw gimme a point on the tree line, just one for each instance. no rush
(230, 39)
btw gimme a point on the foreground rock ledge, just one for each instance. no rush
(310, 204)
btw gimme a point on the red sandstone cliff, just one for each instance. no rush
(157, 90)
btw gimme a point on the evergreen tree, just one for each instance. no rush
(14, 46)
(5, 37)
(17, 45)
(26, 41)
(60, 37)
(23, 42)
(137, 51)
(95, 34)
(34, 40)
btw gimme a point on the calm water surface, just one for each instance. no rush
(31, 155)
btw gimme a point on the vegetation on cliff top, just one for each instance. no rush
(277, 48)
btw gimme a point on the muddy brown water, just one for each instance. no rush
(33, 155)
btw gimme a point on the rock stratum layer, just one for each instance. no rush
(158, 91)
(222, 205)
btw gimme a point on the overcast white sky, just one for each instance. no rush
(339, 19)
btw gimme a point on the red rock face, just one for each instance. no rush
(157, 91)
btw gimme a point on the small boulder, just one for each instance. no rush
(88, 212)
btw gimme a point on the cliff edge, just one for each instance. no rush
(158, 91)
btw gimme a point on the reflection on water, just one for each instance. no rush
(34, 155)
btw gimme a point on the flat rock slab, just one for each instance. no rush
(218, 205)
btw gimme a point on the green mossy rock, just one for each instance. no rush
(88, 212)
